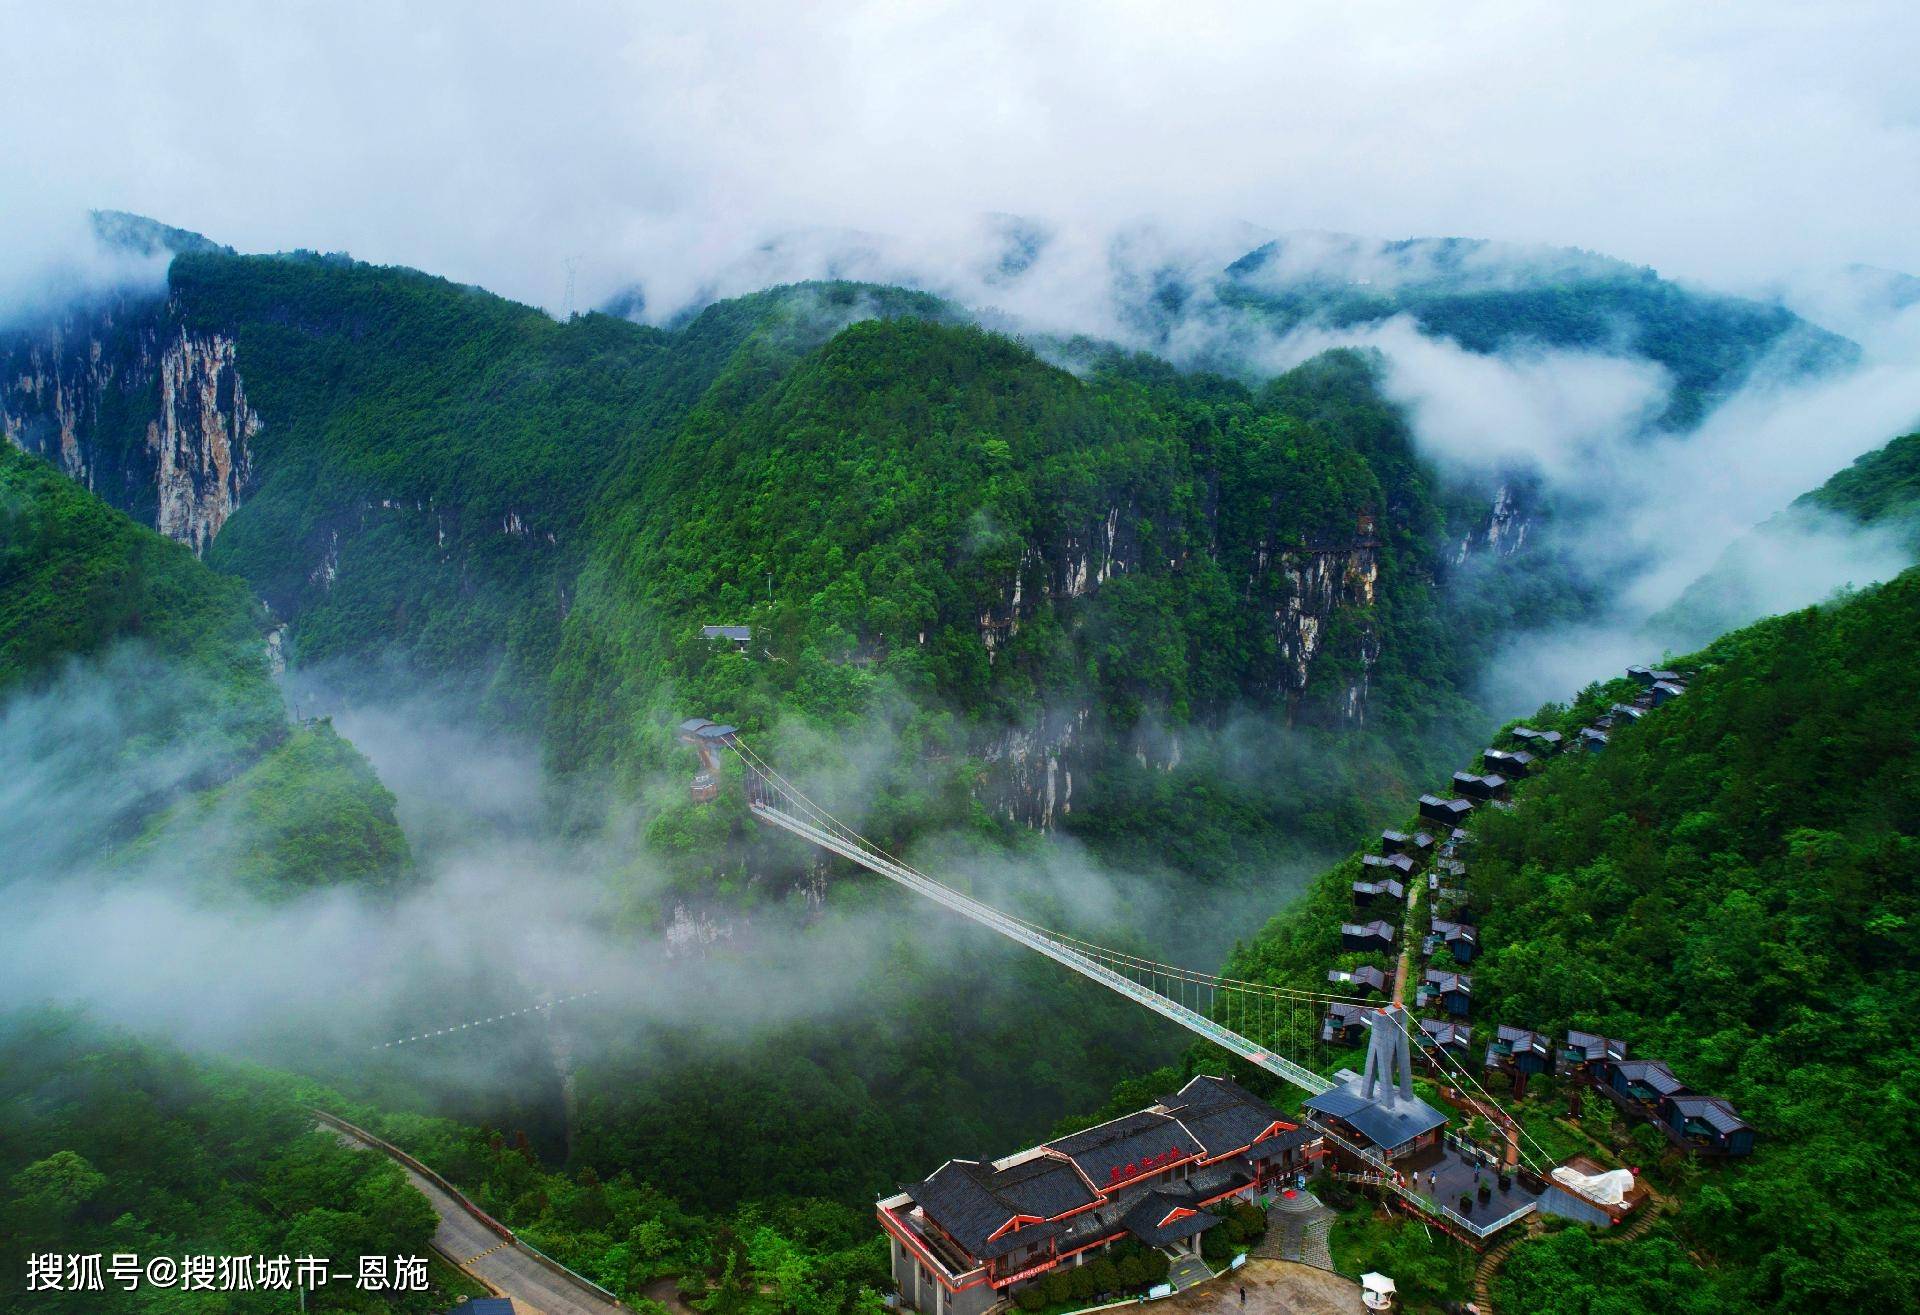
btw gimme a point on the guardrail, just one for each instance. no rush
(465, 1202)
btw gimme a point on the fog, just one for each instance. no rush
(493, 142)
(1055, 171)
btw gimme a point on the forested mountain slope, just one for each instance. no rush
(1487, 295)
(138, 710)
(1728, 887)
(1870, 510)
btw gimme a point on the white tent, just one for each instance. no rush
(1376, 1291)
(1609, 1188)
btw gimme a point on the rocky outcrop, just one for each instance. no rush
(201, 439)
(148, 414)
(1505, 531)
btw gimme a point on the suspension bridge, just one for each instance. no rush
(1270, 1026)
(1257, 1021)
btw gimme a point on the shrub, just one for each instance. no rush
(1030, 1298)
(1058, 1286)
(1106, 1274)
(1082, 1283)
(1157, 1265)
(1133, 1271)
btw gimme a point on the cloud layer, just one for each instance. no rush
(492, 142)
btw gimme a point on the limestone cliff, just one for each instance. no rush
(1300, 593)
(140, 409)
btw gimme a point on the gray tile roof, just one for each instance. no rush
(1388, 1120)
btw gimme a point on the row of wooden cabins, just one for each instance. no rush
(1642, 1088)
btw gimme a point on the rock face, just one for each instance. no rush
(201, 440)
(1304, 595)
(129, 402)
(1506, 528)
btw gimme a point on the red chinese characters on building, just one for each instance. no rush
(1121, 1173)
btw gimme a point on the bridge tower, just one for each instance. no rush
(708, 738)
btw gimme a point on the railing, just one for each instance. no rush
(1086, 966)
(465, 1202)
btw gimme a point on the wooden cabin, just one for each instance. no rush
(1666, 691)
(1375, 890)
(1586, 1053)
(1399, 865)
(1345, 1025)
(1513, 764)
(1456, 938)
(1538, 742)
(1366, 936)
(739, 636)
(1520, 1052)
(1364, 980)
(1639, 1085)
(1447, 812)
(1706, 1124)
(1640, 675)
(1627, 711)
(1592, 739)
(1447, 990)
(1440, 1034)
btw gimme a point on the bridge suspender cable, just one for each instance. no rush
(1129, 975)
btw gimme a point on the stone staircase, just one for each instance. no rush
(1496, 1256)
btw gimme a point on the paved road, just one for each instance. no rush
(483, 1253)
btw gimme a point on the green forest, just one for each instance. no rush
(1727, 887)
(1238, 613)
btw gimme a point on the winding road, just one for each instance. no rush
(482, 1248)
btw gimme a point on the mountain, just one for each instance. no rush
(429, 483)
(1726, 887)
(140, 716)
(1867, 515)
(1488, 296)
(1219, 299)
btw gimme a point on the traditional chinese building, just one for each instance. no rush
(973, 1232)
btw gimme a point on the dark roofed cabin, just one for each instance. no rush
(1345, 1025)
(707, 738)
(1480, 788)
(1706, 1124)
(1393, 842)
(1438, 1033)
(1628, 711)
(1456, 938)
(1586, 1052)
(1537, 741)
(1450, 991)
(1520, 1050)
(739, 636)
(1364, 980)
(1368, 893)
(1364, 936)
(1447, 812)
(1640, 675)
(1593, 739)
(1666, 691)
(1639, 1085)
(1512, 764)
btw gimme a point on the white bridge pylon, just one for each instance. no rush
(1190, 998)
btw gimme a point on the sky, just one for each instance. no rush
(493, 143)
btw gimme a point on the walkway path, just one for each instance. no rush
(481, 1247)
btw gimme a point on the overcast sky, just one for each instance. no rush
(489, 142)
